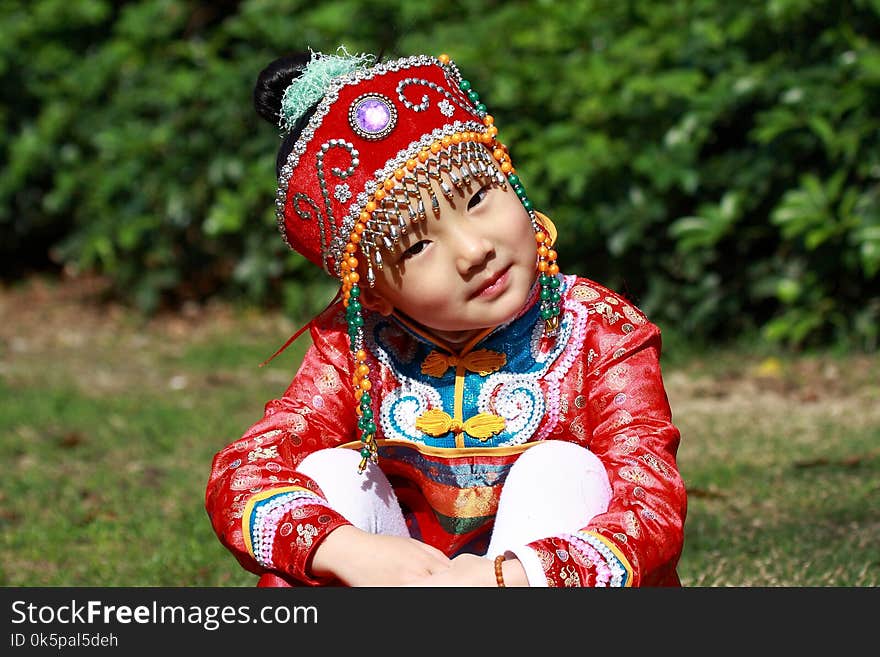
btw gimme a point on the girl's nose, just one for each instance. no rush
(473, 250)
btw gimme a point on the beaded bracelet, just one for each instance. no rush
(499, 576)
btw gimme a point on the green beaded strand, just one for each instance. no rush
(474, 97)
(355, 320)
(551, 297)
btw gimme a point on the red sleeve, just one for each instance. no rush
(266, 513)
(638, 541)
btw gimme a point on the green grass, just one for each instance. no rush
(107, 431)
(108, 427)
(109, 491)
(781, 457)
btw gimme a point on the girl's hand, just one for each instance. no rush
(471, 570)
(358, 558)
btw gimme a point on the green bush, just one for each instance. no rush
(718, 162)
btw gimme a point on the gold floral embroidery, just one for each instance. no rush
(237, 509)
(245, 477)
(583, 292)
(581, 559)
(625, 444)
(306, 534)
(632, 524)
(620, 419)
(607, 311)
(617, 377)
(327, 381)
(570, 577)
(657, 464)
(577, 427)
(296, 423)
(634, 474)
(633, 315)
(263, 437)
(263, 453)
(590, 356)
(545, 558)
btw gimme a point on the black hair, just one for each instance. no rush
(268, 92)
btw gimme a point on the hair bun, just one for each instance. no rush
(273, 81)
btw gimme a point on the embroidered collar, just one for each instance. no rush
(496, 400)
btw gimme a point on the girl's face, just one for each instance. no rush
(468, 269)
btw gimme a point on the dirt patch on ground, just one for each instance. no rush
(798, 393)
(43, 313)
(72, 326)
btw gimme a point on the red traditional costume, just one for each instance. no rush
(577, 364)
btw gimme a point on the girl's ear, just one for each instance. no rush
(375, 302)
(545, 223)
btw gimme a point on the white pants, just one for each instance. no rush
(553, 488)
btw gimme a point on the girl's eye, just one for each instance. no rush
(415, 249)
(477, 198)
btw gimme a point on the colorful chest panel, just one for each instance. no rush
(513, 374)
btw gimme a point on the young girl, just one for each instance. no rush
(466, 414)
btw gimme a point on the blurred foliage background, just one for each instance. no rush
(717, 162)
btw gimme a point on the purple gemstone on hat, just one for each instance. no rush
(372, 116)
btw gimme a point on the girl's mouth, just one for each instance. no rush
(493, 286)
